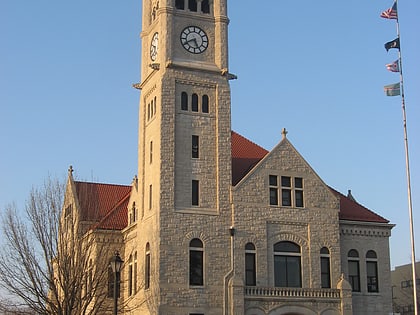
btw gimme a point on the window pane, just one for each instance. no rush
(272, 180)
(371, 254)
(194, 147)
(205, 104)
(196, 267)
(195, 193)
(249, 246)
(274, 199)
(354, 277)
(147, 271)
(299, 198)
(196, 243)
(205, 6)
(293, 272)
(250, 276)
(194, 103)
(280, 271)
(179, 4)
(285, 181)
(184, 101)
(372, 276)
(353, 253)
(298, 182)
(286, 197)
(286, 246)
(192, 5)
(325, 272)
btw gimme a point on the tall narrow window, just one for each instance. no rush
(135, 273)
(325, 268)
(250, 265)
(192, 5)
(286, 191)
(298, 192)
(184, 101)
(151, 152)
(154, 106)
(130, 276)
(205, 6)
(179, 4)
(287, 265)
(147, 267)
(372, 271)
(194, 102)
(274, 191)
(150, 197)
(354, 270)
(195, 192)
(196, 262)
(205, 104)
(195, 147)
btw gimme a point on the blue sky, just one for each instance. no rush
(315, 68)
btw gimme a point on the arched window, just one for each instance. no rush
(147, 267)
(205, 104)
(372, 271)
(179, 4)
(250, 265)
(205, 6)
(287, 265)
(325, 268)
(184, 101)
(354, 270)
(196, 262)
(194, 103)
(130, 275)
(154, 106)
(192, 5)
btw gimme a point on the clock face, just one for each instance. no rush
(194, 39)
(154, 46)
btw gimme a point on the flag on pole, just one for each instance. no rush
(393, 44)
(392, 89)
(391, 13)
(393, 67)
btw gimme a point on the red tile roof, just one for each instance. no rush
(107, 204)
(353, 211)
(245, 155)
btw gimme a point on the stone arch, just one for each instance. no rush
(254, 311)
(330, 311)
(292, 310)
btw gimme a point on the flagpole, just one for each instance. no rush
(407, 164)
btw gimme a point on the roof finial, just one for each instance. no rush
(284, 133)
(70, 170)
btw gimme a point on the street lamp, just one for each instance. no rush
(116, 264)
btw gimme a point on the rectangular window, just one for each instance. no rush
(274, 192)
(372, 276)
(150, 197)
(325, 272)
(111, 281)
(196, 267)
(354, 275)
(298, 192)
(147, 271)
(286, 191)
(287, 271)
(250, 269)
(195, 193)
(195, 147)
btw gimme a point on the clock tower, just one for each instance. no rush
(182, 193)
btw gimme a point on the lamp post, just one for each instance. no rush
(116, 264)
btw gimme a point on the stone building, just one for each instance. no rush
(403, 289)
(213, 223)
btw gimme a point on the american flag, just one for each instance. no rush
(391, 13)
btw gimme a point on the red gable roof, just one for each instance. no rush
(105, 204)
(245, 155)
(353, 211)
